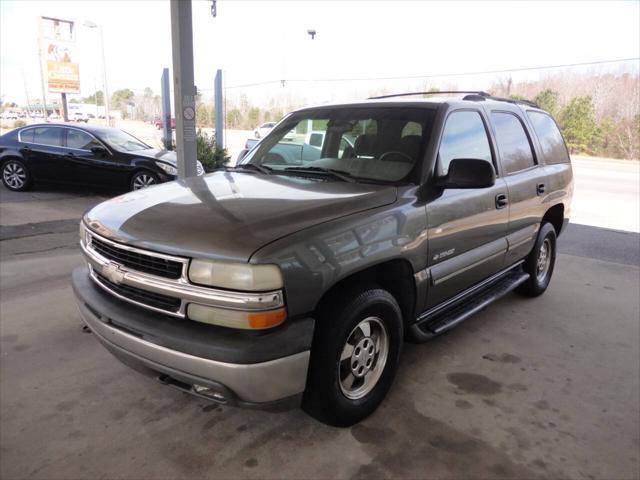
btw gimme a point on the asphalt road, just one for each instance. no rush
(528, 388)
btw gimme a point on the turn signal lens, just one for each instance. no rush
(235, 318)
(259, 320)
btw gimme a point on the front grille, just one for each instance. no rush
(151, 299)
(138, 261)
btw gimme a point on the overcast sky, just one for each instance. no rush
(256, 41)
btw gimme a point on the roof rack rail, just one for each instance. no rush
(474, 92)
(473, 95)
(515, 100)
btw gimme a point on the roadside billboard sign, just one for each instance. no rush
(58, 43)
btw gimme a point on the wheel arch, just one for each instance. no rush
(395, 276)
(555, 216)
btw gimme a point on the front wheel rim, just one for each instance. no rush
(142, 181)
(363, 358)
(14, 175)
(544, 260)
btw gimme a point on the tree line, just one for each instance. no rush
(598, 114)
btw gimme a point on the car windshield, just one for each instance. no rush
(123, 141)
(380, 144)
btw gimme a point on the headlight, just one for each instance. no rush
(236, 276)
(169, 169)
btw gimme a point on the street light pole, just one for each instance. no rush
(90, 24)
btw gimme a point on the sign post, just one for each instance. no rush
(58, 42)
(184, 90)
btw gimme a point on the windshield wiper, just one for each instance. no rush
(342, 175)
(253, 166)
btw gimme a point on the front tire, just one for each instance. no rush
(16, 176)
(143, 179)
(354, 358)
(540, 262)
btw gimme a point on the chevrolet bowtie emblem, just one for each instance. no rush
(113, 273)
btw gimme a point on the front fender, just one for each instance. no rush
(314, 259)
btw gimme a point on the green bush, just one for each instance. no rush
(19, 123)
(211, 156)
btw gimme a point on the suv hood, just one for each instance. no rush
(229, 215)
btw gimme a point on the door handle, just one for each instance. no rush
(501, 200)
(540, 188)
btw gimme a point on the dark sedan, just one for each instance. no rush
(87, 155)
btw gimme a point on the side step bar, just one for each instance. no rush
(440, 320)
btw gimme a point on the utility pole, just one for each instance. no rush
(166, 109)
(90, 24)
(104, 72)
(26, 92)
(184, 90)
(44, 90)
(65, 108)
(219, 111)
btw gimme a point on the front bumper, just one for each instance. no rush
(264, 381)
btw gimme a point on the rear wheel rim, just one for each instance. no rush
(363, 358)
(14, 174)
(544, 260)
(142, 181)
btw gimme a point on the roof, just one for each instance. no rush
(431, 100)
(96, 129)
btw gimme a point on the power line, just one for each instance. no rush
(454, 74)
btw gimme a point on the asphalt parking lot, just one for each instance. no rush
(528, 388)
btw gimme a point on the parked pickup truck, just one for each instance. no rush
(295, 149)
(279, 283)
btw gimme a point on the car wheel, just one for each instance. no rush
(540, 262)
(143, 179)
(16, 176)
(354, 357)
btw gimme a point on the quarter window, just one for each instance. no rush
(80, 140)
(464, 136)
(513, 143)
(48, 136)
(553, 147)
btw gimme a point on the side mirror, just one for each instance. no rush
(468, 173)
(100, 151)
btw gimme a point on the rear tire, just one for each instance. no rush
(354, 358)
(16, 176)
(540, 262)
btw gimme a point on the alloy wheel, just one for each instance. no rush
(142, 181)
(14, 175)
(363, 358)
(544, 259)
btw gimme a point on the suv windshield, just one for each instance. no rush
(366, 143)
(123, 141)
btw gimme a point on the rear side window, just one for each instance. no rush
(513, 143)
(80, 140)
(48, 136)
(464, 136)
(553, 147)
(27, 135)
